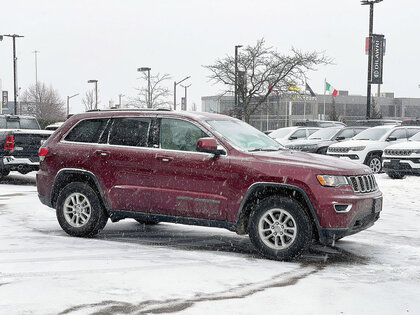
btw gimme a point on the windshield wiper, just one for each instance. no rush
(262, 149)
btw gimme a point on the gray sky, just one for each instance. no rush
(108, 40)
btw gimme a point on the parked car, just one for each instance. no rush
(368, 146)
(402, 159)
(319, 123)
(411, 122)
(323, 138)
(201, 169)
(290, 134)
(20, 139)
(377, 122)
(54, 126)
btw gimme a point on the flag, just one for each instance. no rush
(308, 88)
(292, 87)
(270, 88)
(331, 89)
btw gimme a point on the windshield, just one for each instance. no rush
(244, 136)
(281, 133)
(324, 134)
(416, 137)
(372, 134)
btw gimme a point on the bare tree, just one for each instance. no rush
(159, 94)
(89, 100)
(261, 71)
(43, 102)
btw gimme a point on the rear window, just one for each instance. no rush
(88, 130)
(18, 123)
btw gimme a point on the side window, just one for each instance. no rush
(412, 131)
(88, 130)
(299, 134)
(176, 134)
(311, 131)
(130, 131)
(399, 134)
(347, 133)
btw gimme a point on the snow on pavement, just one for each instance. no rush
(130, 268)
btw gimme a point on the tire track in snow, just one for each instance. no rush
(175, 305)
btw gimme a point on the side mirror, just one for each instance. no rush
(341, 138)
(293, 138)
(208, 145)
(391, 139)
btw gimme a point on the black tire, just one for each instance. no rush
(4, 173)
(297, 218)
(375, 163)
(147, 222)
(94, 221)
(394, 175)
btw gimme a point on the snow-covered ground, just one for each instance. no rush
(134, 269)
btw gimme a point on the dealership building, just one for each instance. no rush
(284, 110)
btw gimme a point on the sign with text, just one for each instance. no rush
(377, 46)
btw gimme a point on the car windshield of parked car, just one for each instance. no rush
(324, 134)
(281, 133)
(244, 136)
(416, 137)
(372, 134)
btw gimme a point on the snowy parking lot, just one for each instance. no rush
(130, 268)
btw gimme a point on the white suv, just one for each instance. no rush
(368, 146)
(402, 159)
(289, 134)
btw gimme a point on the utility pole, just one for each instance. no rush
(15, 90)
(185, 96)
(236, 109)
(119, 97)
(149, 93)
(36, 66)
(369, 88)
(175, 84)
(68, 102)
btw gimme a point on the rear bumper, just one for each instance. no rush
(46, 200)
(12, 163)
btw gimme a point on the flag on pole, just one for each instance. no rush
(331, 89)
(308, 88)
(293, 87)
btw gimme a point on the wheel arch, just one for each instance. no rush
(259, 191)
(371, 153)
(67, 176)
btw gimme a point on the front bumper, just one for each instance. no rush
(401, 166)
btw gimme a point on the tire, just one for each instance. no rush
(4, 173)
(147, 222)
(375, 163)
(396, 175)
(280, 228)
(88, 218)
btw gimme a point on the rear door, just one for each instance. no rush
(189, 183)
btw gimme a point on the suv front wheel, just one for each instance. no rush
(79, 210)
(280, 228)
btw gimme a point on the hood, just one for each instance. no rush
(409, 145)
(318, 162)
(357, 143)
(319, 142)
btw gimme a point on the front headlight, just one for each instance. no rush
(361, 148)
(332, 180)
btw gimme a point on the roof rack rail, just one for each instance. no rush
(129, 109)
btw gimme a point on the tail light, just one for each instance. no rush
(9, 143)
(42, 152)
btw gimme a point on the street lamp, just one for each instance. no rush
(96, 92)
(149, 98)
(14, 68)
(370, 3)
(236, 109)
(68, 102)
(185, 96)
(175, 84)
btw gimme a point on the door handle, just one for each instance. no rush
(164, 158)
(102, 153)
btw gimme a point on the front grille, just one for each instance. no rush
(398, 152)
(363, 183)
(295, 147)
(339, 150)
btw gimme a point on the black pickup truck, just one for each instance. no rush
(20, 139)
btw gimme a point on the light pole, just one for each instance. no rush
(236, 109)
(14, 68)
(175, 84)
(185, 96)
(370, 3)
(149, 98)
(36, 67)
(68, 102)
(119, 97)
(96, 92)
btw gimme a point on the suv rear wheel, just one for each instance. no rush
(79, 210)
(280, 228)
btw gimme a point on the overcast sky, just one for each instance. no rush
(108, 40)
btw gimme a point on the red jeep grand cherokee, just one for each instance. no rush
(201, 169)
